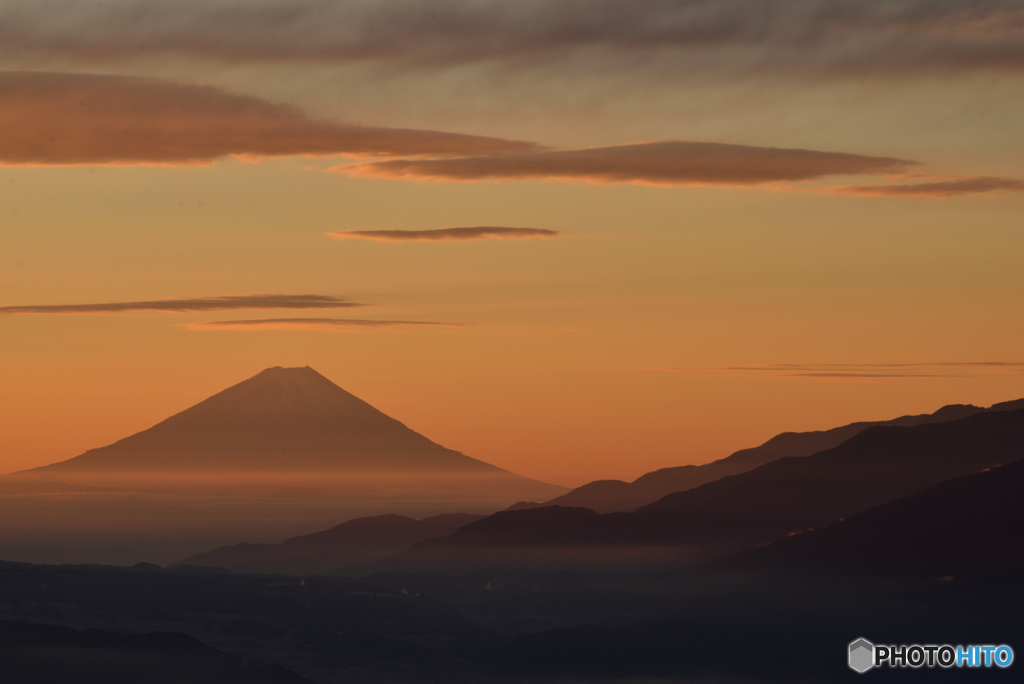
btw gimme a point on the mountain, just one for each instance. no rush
(609, 496)
(350, 545)
(279, 455)
(969, 526)
(283, 419)
(881, 464)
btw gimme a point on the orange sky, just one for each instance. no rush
(812, 238)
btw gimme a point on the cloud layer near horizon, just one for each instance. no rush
(192, 305)
(314, 324)
(656, 163)
(863, 371)
(60, 118)
(447, 234)
(775, 36)
(939, 189)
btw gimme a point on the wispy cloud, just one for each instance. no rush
(63, 119)
(940, 189)
(447, 234)
(774, 36)
(655, 163)
(315, 324)
(192, 305)
(861, 371)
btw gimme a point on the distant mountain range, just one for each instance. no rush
(351, 546)
(610, 496)
(911, 531)
(789, 495)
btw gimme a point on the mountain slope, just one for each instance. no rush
(48, 654)
(880, 464)
(967, 526)
(283, 419)
(609, 496)
(271, 458)
(351, 544)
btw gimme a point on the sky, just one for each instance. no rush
(579, 240)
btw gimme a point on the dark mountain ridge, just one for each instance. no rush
(610, 496)
(349, 546)
(50, 654)
(881, 464)
(970, 526)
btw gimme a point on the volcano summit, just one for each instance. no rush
(283, 419)
(285, 453)
(288, 431)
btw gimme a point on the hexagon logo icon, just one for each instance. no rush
(862, 655)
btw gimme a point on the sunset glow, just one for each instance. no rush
(506, 341)
(575, 250)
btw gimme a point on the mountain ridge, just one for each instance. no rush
(611, 496)
(350, 545)
(969, 525)
(788, 495)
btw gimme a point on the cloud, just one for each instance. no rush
(767, 36)
(653, 163)
(968, 185)
(192, 305)
(863, 371)
(314, 324)
(446, 234)
(59, 118)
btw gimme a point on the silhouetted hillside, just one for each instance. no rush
(348, 546)
(492, 626)
(534, 527)
(967, 526)
(609, 496)
(47, 654)
(881, 464)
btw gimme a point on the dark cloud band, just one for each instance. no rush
(447, 234)
(857, 36)
(862, 371)
(192, 305)
(62, 119)
(940, 189)
(330, 324)
(655, 163)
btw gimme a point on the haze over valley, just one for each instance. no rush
(772, 544)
